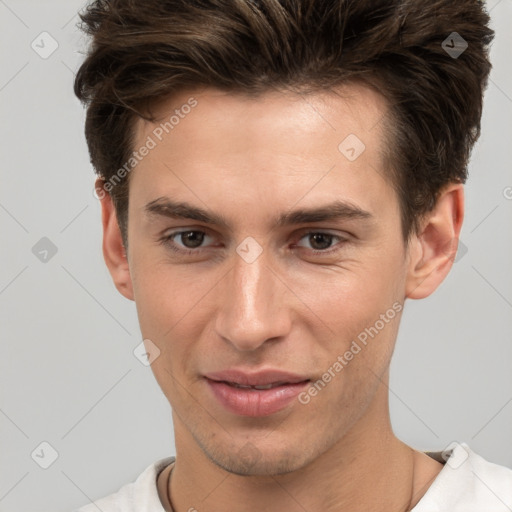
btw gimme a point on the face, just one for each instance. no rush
(264, 247)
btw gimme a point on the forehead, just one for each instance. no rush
(253, 120)
(208, 141)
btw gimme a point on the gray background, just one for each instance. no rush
(68, 373)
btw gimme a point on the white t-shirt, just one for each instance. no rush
(467, 483)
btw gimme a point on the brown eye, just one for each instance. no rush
(191, 239)
(320, 241)
(186, 241)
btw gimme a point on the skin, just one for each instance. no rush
(249, 160)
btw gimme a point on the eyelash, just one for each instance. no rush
(168, 242)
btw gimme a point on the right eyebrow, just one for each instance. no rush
(165, 207)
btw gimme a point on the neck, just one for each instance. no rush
(367, 469)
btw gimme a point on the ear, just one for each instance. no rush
(432, 251)
(113, 249)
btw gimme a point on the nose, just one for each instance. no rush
(252, 308)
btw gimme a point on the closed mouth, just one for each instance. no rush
(263, 386)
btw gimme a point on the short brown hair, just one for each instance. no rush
(146, 51)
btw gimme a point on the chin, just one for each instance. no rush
(251, 459)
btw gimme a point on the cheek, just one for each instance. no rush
(161, 308)
(165, 309)
(163, 296)
(351, 300)
(173, 309)
(362, 310)
(354, 365)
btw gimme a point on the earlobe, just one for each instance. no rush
(113, 249)
(432, 252)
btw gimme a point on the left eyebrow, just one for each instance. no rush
(337, 210)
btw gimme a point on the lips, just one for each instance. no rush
(255, 394)
(261, 387)
(261, 378)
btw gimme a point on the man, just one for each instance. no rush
(277, 177)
